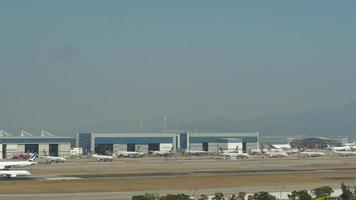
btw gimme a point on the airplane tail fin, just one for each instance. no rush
(32, 158)
(138, 148)
(237, 148)
(221, 150)
(263, 149)
(303, 149)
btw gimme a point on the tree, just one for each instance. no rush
(241, 196)
(147, 196)
(203, 197)
(346, 192)
(300, 195)
(233, 197)
(176, 197)
(263, 196)
(324, 191)
(218, 196)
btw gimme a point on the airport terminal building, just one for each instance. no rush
(27, 143)
(108, 143)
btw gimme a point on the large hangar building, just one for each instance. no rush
(213, 141)
(316, 142)
(108, 143)
(27, 143)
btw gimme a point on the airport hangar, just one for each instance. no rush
(108, 143)
(317, 142)
(11, 145)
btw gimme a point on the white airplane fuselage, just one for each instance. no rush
(274, 154)
(312, 154)
(160, 153)
(343, 148)
(195, 152)
(234, 155)
(14, 173)
(102, 157)
(8, 164)
(130, 154)
(345, 153)
(54, 159)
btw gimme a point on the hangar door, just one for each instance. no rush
(205, 146)
(104, 149)
(153, 147)
(131, 147)
(4, 146)
(31, 148)
(53, 149)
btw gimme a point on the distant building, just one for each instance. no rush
(210, 141)
(108, 143)
(53, 145)
(316, 142)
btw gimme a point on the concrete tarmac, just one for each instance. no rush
(176, 167)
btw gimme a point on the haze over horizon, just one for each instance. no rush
(68, 64)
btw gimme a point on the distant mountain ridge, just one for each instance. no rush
(313, 122)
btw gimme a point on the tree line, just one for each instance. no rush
(321, 193)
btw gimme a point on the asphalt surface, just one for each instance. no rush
(132, 168)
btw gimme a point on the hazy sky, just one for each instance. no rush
(68, 63)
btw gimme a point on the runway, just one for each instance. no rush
(207, 173)
(176, 174)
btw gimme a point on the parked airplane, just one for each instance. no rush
(311, 153)
(14, 174)
(273, 154)
(51, 159)
(8, 164)
(283, 148)
(135, 153)
(345, 153)
(343, 148)
(195, 152)
(163, 153)
(232, 155)
(104, 158)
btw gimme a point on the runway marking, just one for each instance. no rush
(61, 178)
